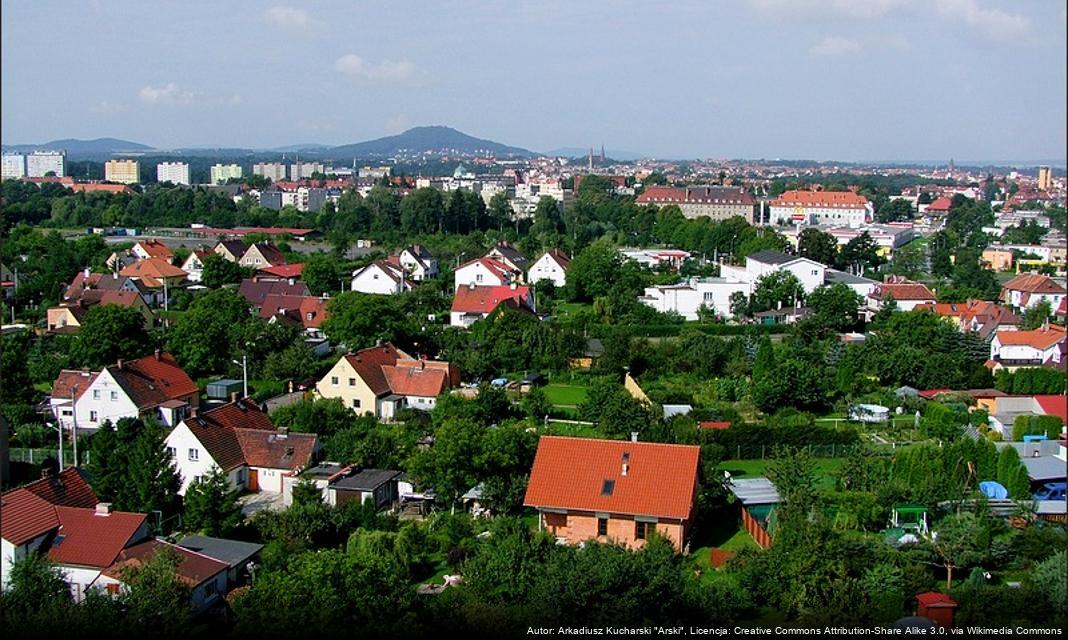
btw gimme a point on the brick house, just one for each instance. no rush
(614, 491)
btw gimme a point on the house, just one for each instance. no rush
(85, 280)
(716, 202)
(510, 256)
(939, 207)
(418, 262)
(239, 439)
(194, 264)
(145, 249)
(232, 250)
(485, 272)
(61, 515)
(235, 554)
(260, 255)
(552, 266)
(377, 486)
(613, 491)
(151, 386)
(1029, 289)
(68, 316)
(308, 312)
(473, 303)
(382, 380)
(256, 290)
(979, 316)
(906, 294)
(1040, 347)
(381, 277)
(205, 577)
(1004, 410)
(282, 271)
(822, 208)
(155, 273)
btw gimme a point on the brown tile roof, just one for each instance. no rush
(493, 265)
(299, 307)
(24, 516)
(256, 291)
(276, 449)
(236, 248)
(93, 540)
(69, 379)
(903, 291)
(243, 414)
(1033, 283)
(575, 474)
(413, 381)
(270, 253)
(153, 380)
(696, 195)
(485, 299)
(215, 429)
(560, 258)
(68, 489)
(368, 364)
(193, 568)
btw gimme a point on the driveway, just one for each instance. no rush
(251, 503)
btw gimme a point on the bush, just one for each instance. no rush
(1050, 426)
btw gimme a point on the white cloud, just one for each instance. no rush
(398, 123)
(833, 46)
(992, 24)
(858, 9)
(357, 68)
(295, 21)
(167, 94)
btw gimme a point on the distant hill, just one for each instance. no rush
(308, 147)
(426, 139)
(83, 148)
(578, 152)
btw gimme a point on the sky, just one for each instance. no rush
(805, 79)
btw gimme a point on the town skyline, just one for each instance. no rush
(911, 80)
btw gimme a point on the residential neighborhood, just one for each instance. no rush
(284, 358)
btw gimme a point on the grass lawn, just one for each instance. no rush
(567, 395)
(575, 430)
(826, 468)
(568, 309)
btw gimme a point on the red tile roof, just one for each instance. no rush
(713, 424)
(413, 381)
(193, 568)
(221, 443)
(940, 204)
(276, 449)
(1042, 338)
(256, 291)
(69, 379)
(285, 270)
(94, 540)
(836, 199)
(152, 271)
(486, 299)
(153, 380)
(156, 249)
(369, 364)
(696, 195)
(571, 473)
(935, 599)
(24, 516)
(494, 266)
(1033, 283)
(243, 414)
(309, 310)
(67, 489)
(903, 291)
(1054, 405)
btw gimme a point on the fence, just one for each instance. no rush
(767, 451)
(37, 456)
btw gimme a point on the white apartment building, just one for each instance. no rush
(41, 163)
(174, 172)
(837, 208)
(221, 173)
(304, 170)
(122, 171)
(276, 171)
(14, 166)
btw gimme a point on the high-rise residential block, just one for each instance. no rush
(222, 173)
(174, 172)
(276, 171)
(42, 163)
(123, 171)
(14, 166)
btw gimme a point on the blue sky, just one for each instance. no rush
(821, 79)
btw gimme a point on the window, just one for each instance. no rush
(66, 412)
(352, 382)
(114, 396)
(194, 454)
(172, 452)
(113, 589)
(92, 416)
(602, 526)
(333, 380)
(96, 394)
(641, 529)
(355, 403)
(209, 589)
(478, 277)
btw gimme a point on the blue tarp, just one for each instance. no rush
(993, 490)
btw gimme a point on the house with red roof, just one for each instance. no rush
(240, 439)
(61, 515)
(1042, 347)
(151, 386)
(980, 316)
(839, 208)
(256, 290)
(473, 303)
(1029, 289)
(382, 380)
(485, 272)
(906, 294)
(194, 264)
(68, 316)
(206, 578)
(613, 491)
(155, 273)
(510, 256)
(552, 266)
(283, 271)
(145, 249)
(939, 207)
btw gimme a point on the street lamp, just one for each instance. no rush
(244, 372)
(59, 428)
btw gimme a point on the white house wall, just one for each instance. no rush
(104, 407)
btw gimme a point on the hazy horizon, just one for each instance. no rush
(828, 80)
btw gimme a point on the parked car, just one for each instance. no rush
(499, 382)
(1052, 491)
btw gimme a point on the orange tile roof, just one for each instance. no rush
(1054, 405)
(571, 473)
(369, 364)
(903, 291)
(156, 249)
(941, 203)
(284, 270)
(1042, 338)
(193, 568)
(844, 199)
(152, 271)
(1033, 283)
(481, 299)
(412, 381)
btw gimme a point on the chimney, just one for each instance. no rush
(624, 471)
(87, 272)
(291, 386)
(283, 432)
(120, 363)
(292, 281)
(471, 286)
(514, 285)
(157, 354)
(192, 412)
(233, 396)
(103, 508)
(633, 436)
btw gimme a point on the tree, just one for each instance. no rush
(817, 245)
(1050, 578)
(295, 362)
(219, 271)
(359, 320)
(322, 274)
(132, 469)
(35, 595)
(955, 543)
(211, 505)
(897, 210)
(739, 303)
(886, 310)
(593, 272)
(1036, 315)
(614, 410)
(776, 289)
(156, 599)
(203, 340)
(110, 332)
(860, 254)
(835, 306)
(968, 272)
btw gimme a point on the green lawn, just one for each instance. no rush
(568, 309)
(564, 394)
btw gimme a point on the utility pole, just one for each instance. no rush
(244, 372)
(74, 427)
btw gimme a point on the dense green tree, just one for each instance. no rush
(817, 245)
(219, 271)
(956, 544)
(776, 289)
(156, 600)
(132, 469)
(897, 210)
(36, 597)
(860, 254)
(359, 320)
(835, 306)
(322, 273)
(1036, 315)
(110, 332)
(593, 272)
(211, 505)
(295, 362)
(203, 339)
